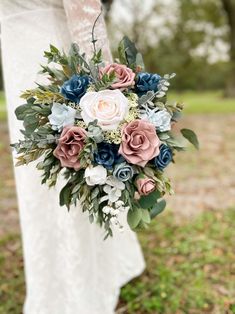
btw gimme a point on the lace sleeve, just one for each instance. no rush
(81, 15)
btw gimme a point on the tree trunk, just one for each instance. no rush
(229, 7)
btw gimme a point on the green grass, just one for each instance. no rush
(190, 268)
(12, 288)
(3, 114)
(204, 102)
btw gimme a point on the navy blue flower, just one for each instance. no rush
(146, 82)
(164, 158)
(75, 87)
(107, 155)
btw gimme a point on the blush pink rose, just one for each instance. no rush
(70, 144)
(140, 142)
(125, 76)
(145, 185)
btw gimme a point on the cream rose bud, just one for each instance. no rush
(108, 107)
(95, 175)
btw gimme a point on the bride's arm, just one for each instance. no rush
(81, 15)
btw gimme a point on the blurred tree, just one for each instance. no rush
(186, 37)
(229, 7)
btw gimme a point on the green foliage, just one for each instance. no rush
(129, 55)
(191, 137)
(65, 196)
(149, 200)
(134, 217)
(140, 214)
(157, 208)
(106, 81)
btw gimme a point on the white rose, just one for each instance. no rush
(163, 120)
(108, 107)
(95, 175)
(160, 118)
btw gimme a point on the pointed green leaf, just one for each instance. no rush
(157, 209)
(191, 137)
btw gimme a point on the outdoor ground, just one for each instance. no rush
(189, 249)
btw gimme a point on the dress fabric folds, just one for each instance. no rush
(69, 269)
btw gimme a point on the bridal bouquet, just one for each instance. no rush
(107, 128)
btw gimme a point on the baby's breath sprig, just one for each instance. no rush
(133, 114)
(113, 136)
(133, 100)
(81, 124)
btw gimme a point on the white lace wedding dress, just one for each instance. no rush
(69, 269)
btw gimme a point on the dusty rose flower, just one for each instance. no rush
(125, 76)
(70, 144)
(145, 185)
(140, 142)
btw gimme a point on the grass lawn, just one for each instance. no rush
(190, 268)
(2, 107)
(204, 102)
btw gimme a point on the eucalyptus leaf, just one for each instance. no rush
(130, 51)
(140, 61)
(134, 217)
(158, 208)
(21, 111)
(150, 200)
(191, 137)
(146, 216)
(65, 196)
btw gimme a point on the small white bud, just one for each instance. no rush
(119, 204)
(114, 220)
(107, 209)
(114, 212)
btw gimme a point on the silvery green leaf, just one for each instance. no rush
(91, 218)
(191, 137)
(146, 216)
(158, 208)
(160, 94)
(147, 97)
(85, 69)
(163, 136)
(134, 217)
(139, 60)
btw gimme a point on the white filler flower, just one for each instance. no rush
(95, 175)
(108, 107)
